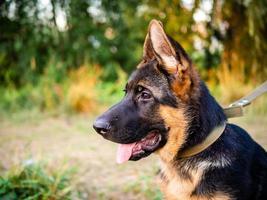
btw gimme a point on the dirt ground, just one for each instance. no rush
(71, 141)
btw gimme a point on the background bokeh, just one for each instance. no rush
(62, 62)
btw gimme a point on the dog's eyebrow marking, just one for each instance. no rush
(156, 92)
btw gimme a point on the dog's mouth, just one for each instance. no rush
(139, 149)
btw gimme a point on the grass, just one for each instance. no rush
(145, 184)
(33, 181)
(69, 141)
(40, 122)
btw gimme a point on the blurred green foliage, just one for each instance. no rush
(42, 41)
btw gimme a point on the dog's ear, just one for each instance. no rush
(148, 52)
(171, 57)
(174, 60)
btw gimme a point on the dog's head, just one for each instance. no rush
(152, 115)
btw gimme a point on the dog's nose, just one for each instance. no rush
(101, 126)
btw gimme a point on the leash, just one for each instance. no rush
(236, 109)
(233, 110)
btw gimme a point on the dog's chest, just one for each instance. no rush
(180, 187)
(175, 187)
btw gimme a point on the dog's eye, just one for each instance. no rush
(145, 95)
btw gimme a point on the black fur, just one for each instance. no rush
(245, 175)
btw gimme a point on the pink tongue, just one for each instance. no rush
(124, 152)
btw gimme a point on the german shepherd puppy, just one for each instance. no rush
(167, 109)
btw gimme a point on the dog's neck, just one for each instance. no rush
(186, 133)
(207, 113)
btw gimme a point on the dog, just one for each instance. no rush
(168, 110)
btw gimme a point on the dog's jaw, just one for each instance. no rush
(137, 150)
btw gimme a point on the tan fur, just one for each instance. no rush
(175, 187)
(186, 84)
(182, 88)
(175, 120)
